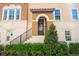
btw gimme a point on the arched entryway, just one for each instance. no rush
(42, 25)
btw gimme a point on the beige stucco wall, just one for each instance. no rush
(72, 26)
(66, 22)
(65, 9)
(16, 27)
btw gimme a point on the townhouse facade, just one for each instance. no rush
(28, 22)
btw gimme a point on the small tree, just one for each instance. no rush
(52, 46)
(50, 41)
(51, 36)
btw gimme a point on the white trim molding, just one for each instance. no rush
(5, 7)
(72, 15)
(60, 14)
(8, 9)
(47, 18)
(18, 7)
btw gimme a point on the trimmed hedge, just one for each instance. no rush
(56, 49)
(36, 49)
(25, 49)
(15, 50)
(1, 48)
(74, 48)
(62, 49)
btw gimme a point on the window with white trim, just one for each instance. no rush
(74, 14)
(17, 14)
(67, 35)
(11, 14)
(4, 14)
(57, 14)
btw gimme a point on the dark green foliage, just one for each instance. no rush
(56, 49)
(18, 49)
(61, 49)
(1, 48)
(37, 49)
(74, 48)
(25, 49)
(51, 36)
(52, 46)
(47, 49)
(50, 50)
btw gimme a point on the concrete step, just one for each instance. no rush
(35, 39)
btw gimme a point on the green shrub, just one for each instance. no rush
(61, 49)
(47, 49)
(11, 53)
(13, 47)
(51, 36)
(52, 46)
(56, 49)
(36, 49)
(12, 50)
(1, 48)
(17, 49)
(25, 49)
(74, 48)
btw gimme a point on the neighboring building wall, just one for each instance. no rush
(17, 27)
(24, 7)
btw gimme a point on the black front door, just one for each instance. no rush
(41, 26)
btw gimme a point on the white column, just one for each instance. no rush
(2, 13)
(15, 14)
(7, 14)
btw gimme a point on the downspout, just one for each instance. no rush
(26, 4)
(27, 16)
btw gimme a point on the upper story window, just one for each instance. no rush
(68, 35)
(5, 14)
(11, 14)
(74, 14)
(17, 14)
(57, 14)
